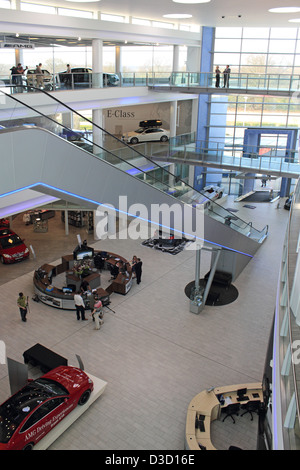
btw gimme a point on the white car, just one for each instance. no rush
(146, 135)
(213, 192)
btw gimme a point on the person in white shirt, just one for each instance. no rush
(80, 307)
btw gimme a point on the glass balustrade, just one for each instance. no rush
(286, 362)
(106, 146)
(242, 157)
(62, 81)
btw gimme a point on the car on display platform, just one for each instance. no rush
(213, 192)
(28, 415)
(146, 135)
(82, 76)
(4, 223)
(49, 79)
(12, 247)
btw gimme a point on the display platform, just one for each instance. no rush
(90, 271)
(39, 355)
(99, 387)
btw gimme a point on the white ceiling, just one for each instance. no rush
(251, 13)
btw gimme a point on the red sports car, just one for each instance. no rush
(28, 415)
(12, 247)
(4, 223)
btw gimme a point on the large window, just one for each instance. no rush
(258, 50)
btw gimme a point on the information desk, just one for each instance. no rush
(59, 298)
(207, 406)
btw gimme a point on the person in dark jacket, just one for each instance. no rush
(138, 270)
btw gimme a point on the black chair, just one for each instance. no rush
(232, 409)
(251, 407)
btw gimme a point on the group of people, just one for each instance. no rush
(226, 76)
(96, 306)
(18, 71)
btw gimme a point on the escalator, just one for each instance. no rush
(111, 174)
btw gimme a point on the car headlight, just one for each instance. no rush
(26, 251)
(6, 256)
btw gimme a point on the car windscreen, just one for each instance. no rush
(18, 407)
(139, 130)
(10, 241)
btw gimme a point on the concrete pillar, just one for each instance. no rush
(97, 133)
(175, 58)
(97, 66)
(119, 64)
(173, 118)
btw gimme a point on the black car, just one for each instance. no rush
(82, 76)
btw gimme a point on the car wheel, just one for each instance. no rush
(28, 446)
(164, 138)
(2, 260)
(84, 398)
(220, 195)
(134, 140)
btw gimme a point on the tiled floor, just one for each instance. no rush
(154, 354)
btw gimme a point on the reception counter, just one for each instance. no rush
(63, 298)
(208, 405)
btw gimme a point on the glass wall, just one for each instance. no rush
(151, 58)
(258, 50)
(254, 51)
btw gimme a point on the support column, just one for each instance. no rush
(175, 66)
(97, 133)
(66, 223)
(97, 58)
(173, 118)
(119, 64)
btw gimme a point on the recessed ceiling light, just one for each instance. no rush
(177, 15)
(295, 20)
(191, 1)
(284, 10)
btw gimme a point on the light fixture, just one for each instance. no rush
(191, 1)
(82, 1)
(178, 15)
(284, 10)
(17, 35)
(295, 20)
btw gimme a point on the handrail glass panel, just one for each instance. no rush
(116, 152)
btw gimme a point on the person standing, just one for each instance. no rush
(19, 77)
(138, 270)
(226, 75)
(218, 74)
(68, 78)
(39, 76)
(97, 315)
(80, 307)
(22, 303)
